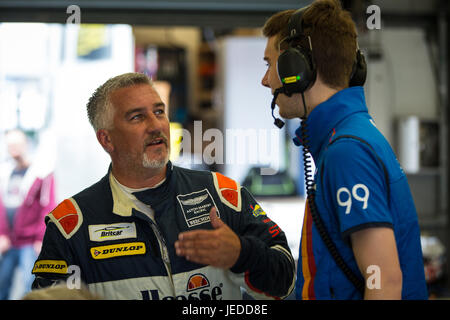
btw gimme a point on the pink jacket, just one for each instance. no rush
(28, 225)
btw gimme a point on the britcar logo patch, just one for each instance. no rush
(105, 232)
(50, 266)
(118, 250)
(196, 207)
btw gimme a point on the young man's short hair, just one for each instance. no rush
(333, 37)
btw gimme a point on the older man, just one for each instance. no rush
(151, 230)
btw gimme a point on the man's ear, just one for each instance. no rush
(104, 139)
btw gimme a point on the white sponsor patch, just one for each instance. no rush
(196, 207)
(105, 232)
(194, 201)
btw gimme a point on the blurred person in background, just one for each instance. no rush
(27, 194)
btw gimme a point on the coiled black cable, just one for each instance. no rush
(310, 191)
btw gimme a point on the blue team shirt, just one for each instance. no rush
(359, 184)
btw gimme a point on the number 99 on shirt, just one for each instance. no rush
(344, 196)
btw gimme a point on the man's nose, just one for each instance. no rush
(265, 81)
(153, 123)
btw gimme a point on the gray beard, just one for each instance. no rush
(154, 163)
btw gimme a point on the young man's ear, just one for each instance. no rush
(105, 140)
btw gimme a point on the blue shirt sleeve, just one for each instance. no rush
(354, 182)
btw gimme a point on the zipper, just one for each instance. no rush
(163, 245)
(164, 252)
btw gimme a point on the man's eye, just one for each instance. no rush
(136, 117)
(159, 111)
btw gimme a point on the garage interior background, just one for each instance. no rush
(207, 59)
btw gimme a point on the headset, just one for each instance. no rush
(296, 68)
(297, 73)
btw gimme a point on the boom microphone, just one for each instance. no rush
(278, 122)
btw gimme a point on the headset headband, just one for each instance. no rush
(295, 23)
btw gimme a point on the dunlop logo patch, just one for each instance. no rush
(118, 250)
(50, 266)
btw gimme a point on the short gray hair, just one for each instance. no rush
(99, 108)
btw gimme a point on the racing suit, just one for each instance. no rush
(122, 253)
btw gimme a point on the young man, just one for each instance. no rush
(361, 193)
(151, 230)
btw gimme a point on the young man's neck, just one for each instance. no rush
(318, 94)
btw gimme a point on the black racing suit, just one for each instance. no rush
(101, 236)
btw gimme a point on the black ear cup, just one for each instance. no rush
(359, 72)
(296, 70)
(295, 65)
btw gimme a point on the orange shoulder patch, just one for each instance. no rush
(231, 196)
(224, 182)
(67, 217)
(228, 190)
